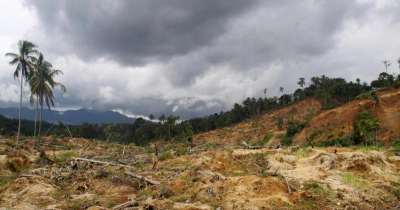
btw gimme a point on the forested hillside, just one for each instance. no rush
(331, 92)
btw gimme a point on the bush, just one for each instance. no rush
(165, 156)
(286, 140)
(293, 127)
(267, 138)
(366, 128)
(343, 142)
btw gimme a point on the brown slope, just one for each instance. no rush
(255, 129)
(339, 122)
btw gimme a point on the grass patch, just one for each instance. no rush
(57, 195)
(111, 204)
(368, 148)
(4, 181)
(301, 153)
(165, 156)
(64, 157)
(267, 138)
(354, 180)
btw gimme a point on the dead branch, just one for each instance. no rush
(252, 147)
(288, 186)
(137, 176)
(48, 185)
(276, 172)
(167, 145)
(16, 196)
(312, 145)
(29, 175)
(125, 205)
(102, 162)
(72, 185)
(154, 165)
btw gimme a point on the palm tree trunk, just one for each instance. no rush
(20, 114)
(40, 121)
(36, 113)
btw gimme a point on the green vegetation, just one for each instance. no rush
(366, 128)
(267, 138)
(301, 153)
(62, 158)
(341, 142)
(286, 140)
(165, 156)
(354, 180)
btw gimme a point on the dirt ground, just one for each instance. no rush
(216, 177)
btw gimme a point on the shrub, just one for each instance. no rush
(293, 127)
(343, 142)
(165, 156)
(267, 138)
(286, 140)
(366, 128)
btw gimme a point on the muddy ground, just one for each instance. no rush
(223, 176)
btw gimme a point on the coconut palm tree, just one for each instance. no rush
(281, 90)
(24, 69)
(32, 101)
(40, 63)
(42, 84)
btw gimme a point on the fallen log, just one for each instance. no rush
(137, 176)
(288, 186)
(252, 147)
(102, 162)
(29, 175)
(125, 205)
(48, 185)
(16, 196)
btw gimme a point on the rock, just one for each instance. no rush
(166, 192)
(187, 202)
(219, 208)
(143, 198)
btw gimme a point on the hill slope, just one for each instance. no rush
(323, 125)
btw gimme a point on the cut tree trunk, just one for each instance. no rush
(102, 162)
(40, 121)
(36, 113)
(137, 176)
(20, 113)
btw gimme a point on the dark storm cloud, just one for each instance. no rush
(136, 32)
(190, 57)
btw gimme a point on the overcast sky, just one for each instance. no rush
(194, 58)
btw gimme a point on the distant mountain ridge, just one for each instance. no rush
(75, 117)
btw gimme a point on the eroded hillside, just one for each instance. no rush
(339, 122)
(255, 130)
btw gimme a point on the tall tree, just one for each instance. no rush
(151, 117)
(162, 118)
(24, 70)
(301, 82)
(42, 84)
(398, 61)
(387, 64)
(281, 89)
(265, 92)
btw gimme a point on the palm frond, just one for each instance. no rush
(14, 61)
(12, 55)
